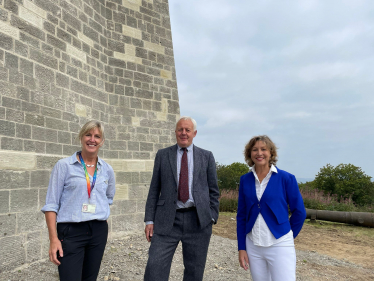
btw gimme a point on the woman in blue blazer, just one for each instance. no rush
(264, 230)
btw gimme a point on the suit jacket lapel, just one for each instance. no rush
(173, 162)
(197, 160)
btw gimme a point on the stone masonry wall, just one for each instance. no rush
(62, 63)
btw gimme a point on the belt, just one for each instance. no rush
(182, 210)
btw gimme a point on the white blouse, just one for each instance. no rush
(260, 233)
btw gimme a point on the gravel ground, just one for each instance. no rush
(125, 259)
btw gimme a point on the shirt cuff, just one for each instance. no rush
(148, 222)
(50, 208)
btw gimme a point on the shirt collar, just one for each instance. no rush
(189, 148)
(73, 159)
(272, 169)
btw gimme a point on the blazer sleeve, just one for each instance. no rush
(213, 187)
(154, 190)
(241, 218)
(296, 204)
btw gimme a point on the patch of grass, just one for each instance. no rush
(228, 201)
(355, 230)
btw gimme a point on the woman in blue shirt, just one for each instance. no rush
(265, 232)
(81, 188)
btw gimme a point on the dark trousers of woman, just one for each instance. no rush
(83, 245)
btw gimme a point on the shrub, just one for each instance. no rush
(228, 201)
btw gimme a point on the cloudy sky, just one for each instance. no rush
(301, 72)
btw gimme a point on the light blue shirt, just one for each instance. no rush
(67, 191)
(190, 202)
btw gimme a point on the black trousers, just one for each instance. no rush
(195, 243)
(83, 245)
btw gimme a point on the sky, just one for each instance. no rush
(301, 72)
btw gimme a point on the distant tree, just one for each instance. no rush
(346, 180)
(229, 175)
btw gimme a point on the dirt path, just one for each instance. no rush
(326, 251)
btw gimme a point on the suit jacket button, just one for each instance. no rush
(175, 202)
(259, 206)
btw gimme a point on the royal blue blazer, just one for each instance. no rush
(281, 192)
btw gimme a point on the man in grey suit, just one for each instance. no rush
(182, 205)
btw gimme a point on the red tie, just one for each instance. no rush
(183, 193)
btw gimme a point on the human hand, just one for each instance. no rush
(149, 232)
(54, 247)
(243, 259)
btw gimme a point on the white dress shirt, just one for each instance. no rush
(260, 233)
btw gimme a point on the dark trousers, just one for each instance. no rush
(195, 243)
(83, 245)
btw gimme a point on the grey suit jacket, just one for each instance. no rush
(163, 192)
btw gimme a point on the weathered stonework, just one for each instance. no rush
(62, 63)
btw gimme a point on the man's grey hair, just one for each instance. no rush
(187, 118)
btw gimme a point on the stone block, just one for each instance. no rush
(145, 177)
(90, 33)
(42, 197)
(11, 144)
(11, 61)
(3, 14)
(30, 221)
(11, 6)
(53, 148)
(49, 6)
(45, 60)
(56, 42)
(17, 161)
(35, 9)
(7, 128)
(123, 178)
(23, 131)
(4, 204)
(68, 150)
(127, 206)
(51, 112)
(40, 178)
(34, 119)
(24, 200)
(56, 124)
(27, 27)
(6, 33)
(118, 145)
(134, 180)
(141, 155)
(34, 146)
(72, 21)
(46, 162)
(33, 246)
(29, 40)
(146, 146)
(64, 137)
(121, 192)
(12, 252)
(30, 17)
(173, 107)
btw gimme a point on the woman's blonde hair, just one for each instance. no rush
(269, 144)
(93, 124)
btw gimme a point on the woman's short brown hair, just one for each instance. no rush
(93, 124)
(269, 144)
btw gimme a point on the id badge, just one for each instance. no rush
(88, 208)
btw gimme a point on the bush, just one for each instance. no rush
(229, 175)
(320, 200)
(228, 201)
(347, 181)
